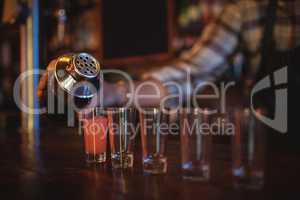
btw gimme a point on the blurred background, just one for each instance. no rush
(34, 32)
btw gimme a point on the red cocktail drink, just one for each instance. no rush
(95, 130)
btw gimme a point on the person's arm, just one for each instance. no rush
(208, 57)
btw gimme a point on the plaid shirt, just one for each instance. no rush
(241, 22)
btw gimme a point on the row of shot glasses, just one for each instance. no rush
(121, 126)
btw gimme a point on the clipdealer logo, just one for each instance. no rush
(279, 122)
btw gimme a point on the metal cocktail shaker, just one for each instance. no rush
(78, 75)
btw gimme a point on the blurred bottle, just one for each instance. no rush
(61, 38)
(76, 26)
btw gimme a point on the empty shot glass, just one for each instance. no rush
(121, 122)
(195, 142)
(94, 127)
(154, 130)
(248, 150)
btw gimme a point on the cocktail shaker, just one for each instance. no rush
(77, 75)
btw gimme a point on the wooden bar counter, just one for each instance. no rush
(50, 165)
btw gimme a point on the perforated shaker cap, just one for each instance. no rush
(86, 65)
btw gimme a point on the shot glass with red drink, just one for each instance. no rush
(94, 128)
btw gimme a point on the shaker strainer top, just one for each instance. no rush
(78, 74)
(86, 65)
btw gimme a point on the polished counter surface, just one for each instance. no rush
(50, 165)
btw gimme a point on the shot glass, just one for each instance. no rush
(154, 125)
(121, 136)
(195, 142)
(248, 150)
(94, 128)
